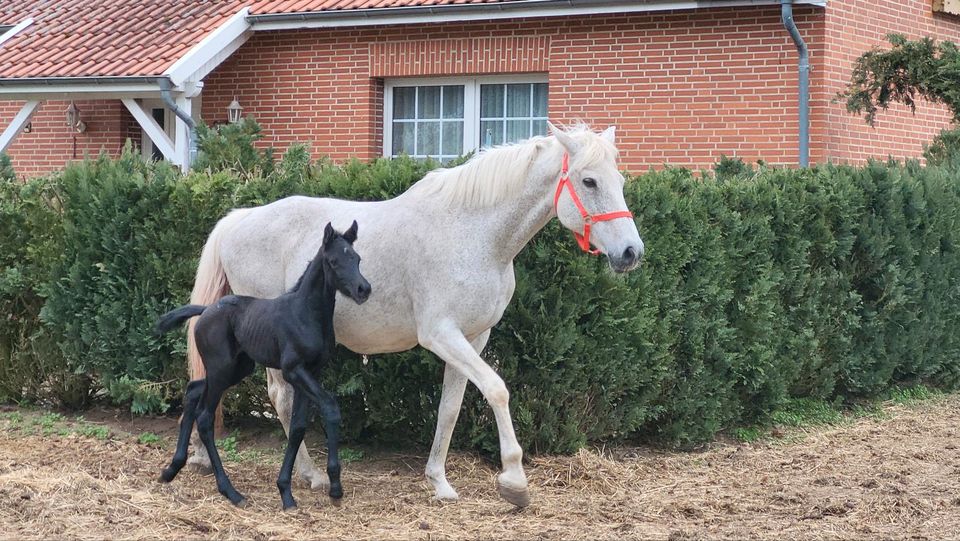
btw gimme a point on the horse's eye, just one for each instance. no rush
(590, 182)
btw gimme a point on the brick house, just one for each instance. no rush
(684, 81)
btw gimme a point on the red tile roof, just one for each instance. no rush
(115, 38)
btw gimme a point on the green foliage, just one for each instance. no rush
(908, 71)
(232, 146)
(944, 148)
(763, 289)
(149, 438)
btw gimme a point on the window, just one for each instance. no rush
(445, 118)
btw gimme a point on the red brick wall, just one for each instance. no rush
(682, 87)
(853, 27)
(51, 144)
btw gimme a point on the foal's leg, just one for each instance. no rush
(298, 427)
(451, 398)
(191, 401)
(215, 388)
(300, 377)
(281, 395)
(446, 340)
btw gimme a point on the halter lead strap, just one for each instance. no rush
(583, 240)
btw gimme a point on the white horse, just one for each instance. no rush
(440, 260)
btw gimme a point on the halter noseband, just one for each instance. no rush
(588, 219)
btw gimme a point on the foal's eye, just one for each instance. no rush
(590, 182)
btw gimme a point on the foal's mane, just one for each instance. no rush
(495, 173)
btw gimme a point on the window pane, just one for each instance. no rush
(428, 139)
(429, 102)
(540, 100)
(491, 133)
(453, 102)
(539, 127)
(403, 137)
(404, 104)
(491, 101)
(518, 130)
(518, 100)
(452, 143)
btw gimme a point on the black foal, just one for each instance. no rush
(293, 332)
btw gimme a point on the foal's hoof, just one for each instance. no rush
(290, 508)
(242, 503)
(165, 476)
(517, 496)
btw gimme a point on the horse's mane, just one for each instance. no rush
(495, 173)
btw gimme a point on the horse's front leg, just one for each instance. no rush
(281, 395)
(451, 399)
(298, 427)
(446, 340)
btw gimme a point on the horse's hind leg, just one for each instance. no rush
(191, 401)
(298, 427)
(281, 395)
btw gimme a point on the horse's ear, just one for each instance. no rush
(564, 138)
(328, 233)
(351, 234)
(610, 134)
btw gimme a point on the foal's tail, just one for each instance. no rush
(177, 316)
(209, 285)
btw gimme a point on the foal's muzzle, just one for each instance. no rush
(362, 293)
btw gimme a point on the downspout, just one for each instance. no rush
(786, 15)
(165, 86)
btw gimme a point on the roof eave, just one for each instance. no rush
(500, 10)
(79, 87)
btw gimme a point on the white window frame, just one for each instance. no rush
(471, 102)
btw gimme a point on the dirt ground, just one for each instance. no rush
(890, 476)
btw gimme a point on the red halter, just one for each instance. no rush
(588, 219)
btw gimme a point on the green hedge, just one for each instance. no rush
(758, 286)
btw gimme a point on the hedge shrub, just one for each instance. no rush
(758, 286)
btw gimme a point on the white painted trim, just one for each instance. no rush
(15, 30)
(21, 118)
(212, 50)
(458, 13)
(153, 130)
(68, 91)
(471, 101)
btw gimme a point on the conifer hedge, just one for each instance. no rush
(759, 285)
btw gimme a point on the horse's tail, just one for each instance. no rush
(175, 317)
(209, 285)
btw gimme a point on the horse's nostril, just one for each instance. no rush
(629, 255)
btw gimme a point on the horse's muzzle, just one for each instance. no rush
(628, 260)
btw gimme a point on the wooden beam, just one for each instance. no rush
(17, 124)
(153, 131)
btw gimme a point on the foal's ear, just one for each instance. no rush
(351, 234)
(328, 233)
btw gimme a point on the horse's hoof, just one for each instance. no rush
(290, 508)
(200, 468)
(316, 480)
(517, 496)
(165, 477)
(337, 502)
(242, 503)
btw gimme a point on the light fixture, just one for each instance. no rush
(28, 127)
(73, 119)
(233, 111)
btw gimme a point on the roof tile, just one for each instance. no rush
(109, 38)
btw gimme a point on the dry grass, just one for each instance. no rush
(893, 478)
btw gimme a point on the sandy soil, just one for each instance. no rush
(884, 477)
